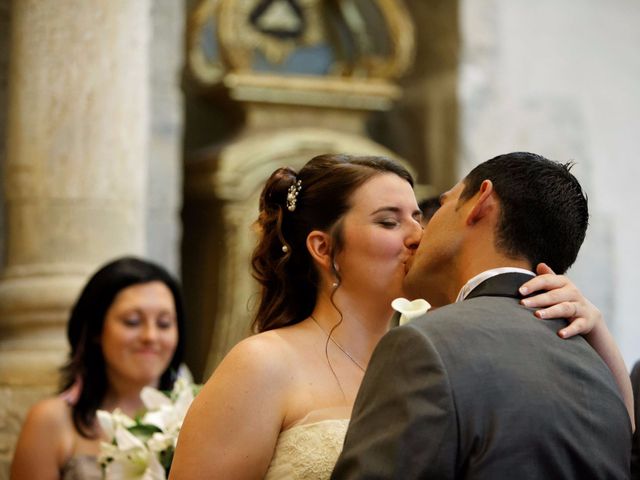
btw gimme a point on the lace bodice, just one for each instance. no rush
(308, 452)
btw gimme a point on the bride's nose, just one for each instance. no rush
(413, 238)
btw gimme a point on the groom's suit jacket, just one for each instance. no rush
(482, 389)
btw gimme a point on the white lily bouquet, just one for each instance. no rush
(142, 448)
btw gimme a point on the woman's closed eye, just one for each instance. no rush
(388, 223)
(166, 321)
(132, 320)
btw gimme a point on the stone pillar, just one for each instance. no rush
(164, 175)
(75, 177)
(4, 74)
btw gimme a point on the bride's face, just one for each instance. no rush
(380, 233)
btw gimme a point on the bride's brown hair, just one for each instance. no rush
(288, 277)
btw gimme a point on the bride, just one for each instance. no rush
(334, 240)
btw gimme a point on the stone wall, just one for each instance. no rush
(560, 79)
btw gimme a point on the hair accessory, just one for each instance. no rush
(292, 195)
(285, 249)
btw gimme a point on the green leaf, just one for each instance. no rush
(144, 431)
(166, 457)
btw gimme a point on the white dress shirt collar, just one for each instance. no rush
(481, 277)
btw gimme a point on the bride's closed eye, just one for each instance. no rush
(388, 223)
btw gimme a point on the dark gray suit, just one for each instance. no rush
(484, 390)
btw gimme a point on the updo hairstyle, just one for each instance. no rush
(288, 276)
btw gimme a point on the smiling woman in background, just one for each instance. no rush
(126, 332)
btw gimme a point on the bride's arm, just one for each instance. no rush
(564, 300)
(233, 424)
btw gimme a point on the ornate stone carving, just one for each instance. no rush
(341, 38)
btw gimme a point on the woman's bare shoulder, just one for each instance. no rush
(50, 413)
(264, 353)
(268, 359)
(48, 432)
(253, 381)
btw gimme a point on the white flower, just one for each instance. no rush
(185, 374)
(410, 309)
(142, 449)
(164, 413)
(161, 441)
(130, 459)
(127, 441)
(154, 399)
(135, 464)
(109, 422)
(108, 451)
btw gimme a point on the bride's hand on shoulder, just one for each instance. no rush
(560, 298)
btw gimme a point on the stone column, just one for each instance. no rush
(75, 177)
(164, 175)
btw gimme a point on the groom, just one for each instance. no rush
(481, 388)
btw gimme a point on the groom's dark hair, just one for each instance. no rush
(544, 213)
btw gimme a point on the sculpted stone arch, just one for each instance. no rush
(245, 166)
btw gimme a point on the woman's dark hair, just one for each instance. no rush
(86, 363)
(429, 206)
(288, 277)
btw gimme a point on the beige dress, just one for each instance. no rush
(82, 467)
(309, 449)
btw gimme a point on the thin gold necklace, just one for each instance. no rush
(337, 344)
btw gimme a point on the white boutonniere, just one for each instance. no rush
(410, 309)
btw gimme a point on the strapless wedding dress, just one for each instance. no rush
(308, 451)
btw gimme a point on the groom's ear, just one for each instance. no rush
(319, 246)
(484, 203)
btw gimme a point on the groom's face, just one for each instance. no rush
(438, 249)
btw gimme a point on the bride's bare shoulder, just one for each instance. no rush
(272, 353)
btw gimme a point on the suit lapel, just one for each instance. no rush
(503, 285)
